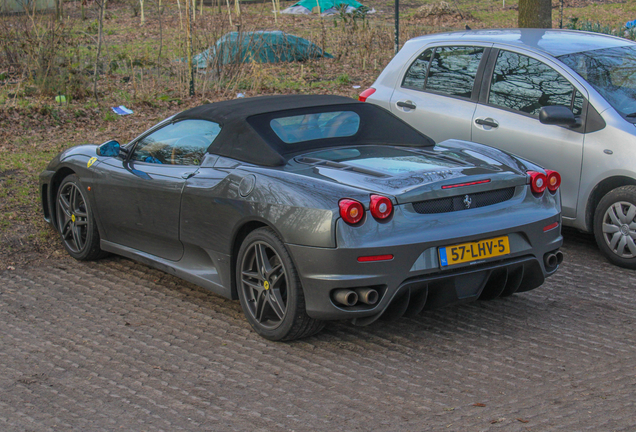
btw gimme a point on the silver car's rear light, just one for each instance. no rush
(365, 94)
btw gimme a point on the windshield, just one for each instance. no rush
(612, 72)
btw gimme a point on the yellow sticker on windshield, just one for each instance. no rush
(91, 161)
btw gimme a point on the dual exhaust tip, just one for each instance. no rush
(551, 260)
(349, 297)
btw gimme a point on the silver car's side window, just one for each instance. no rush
(446, 70)
(181, 143)
(453, 70)
(524, 84)
(415, 77)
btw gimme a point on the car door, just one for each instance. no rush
(437, 94)
(139, 198)
(516, 86)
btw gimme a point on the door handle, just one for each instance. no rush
(483, 122)
(408, 105)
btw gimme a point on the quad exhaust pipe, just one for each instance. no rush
(348, 297)
(551, 260)
(368, 295)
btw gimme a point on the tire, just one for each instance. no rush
(269, 289)
(615, 226)
(75, 222)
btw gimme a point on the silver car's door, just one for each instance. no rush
(516, 86)
(437, 93)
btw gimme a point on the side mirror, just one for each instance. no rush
(109, 148)
(558, 115)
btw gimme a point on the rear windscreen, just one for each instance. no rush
(389, 160)
(313, 126)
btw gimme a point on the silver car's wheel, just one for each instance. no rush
(75, 222)
(615, 226)
(269, 289)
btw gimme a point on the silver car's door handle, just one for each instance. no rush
(483, 122)
(407, 104)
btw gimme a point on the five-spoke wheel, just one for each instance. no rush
(615, 226)
(264, 284)
(75, 221)
(269, 289)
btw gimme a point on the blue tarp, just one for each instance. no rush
(630, 24)
(260, 47)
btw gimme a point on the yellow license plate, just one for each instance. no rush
(474, 251)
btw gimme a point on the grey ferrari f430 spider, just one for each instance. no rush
(311, 208)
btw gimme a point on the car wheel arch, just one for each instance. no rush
(241, 232)
(54, 186)
(599, 191)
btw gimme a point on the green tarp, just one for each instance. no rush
(260, 47)
(327, 4)
(22, 6)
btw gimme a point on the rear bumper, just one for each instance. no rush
(414, 279)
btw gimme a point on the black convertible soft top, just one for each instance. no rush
(246, 133)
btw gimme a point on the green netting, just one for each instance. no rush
(260, 47)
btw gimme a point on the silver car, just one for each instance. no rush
(563, 99)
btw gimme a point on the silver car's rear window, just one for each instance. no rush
(314, 126)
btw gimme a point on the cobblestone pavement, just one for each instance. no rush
(114, 345)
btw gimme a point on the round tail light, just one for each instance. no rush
(351, 211)
(554, 180)
(380, 207)
(538, 182)
(365, 94)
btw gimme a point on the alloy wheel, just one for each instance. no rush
(72, 217)
(619, 229)
(264, 284)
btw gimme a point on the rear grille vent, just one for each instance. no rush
(464, 202)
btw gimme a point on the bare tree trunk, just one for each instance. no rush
(535, 14)
(143, 19)
(160, 29)
(189, 45)
(180, 17)
(102, 7)
(229, 12)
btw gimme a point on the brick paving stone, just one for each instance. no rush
(114, 345)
